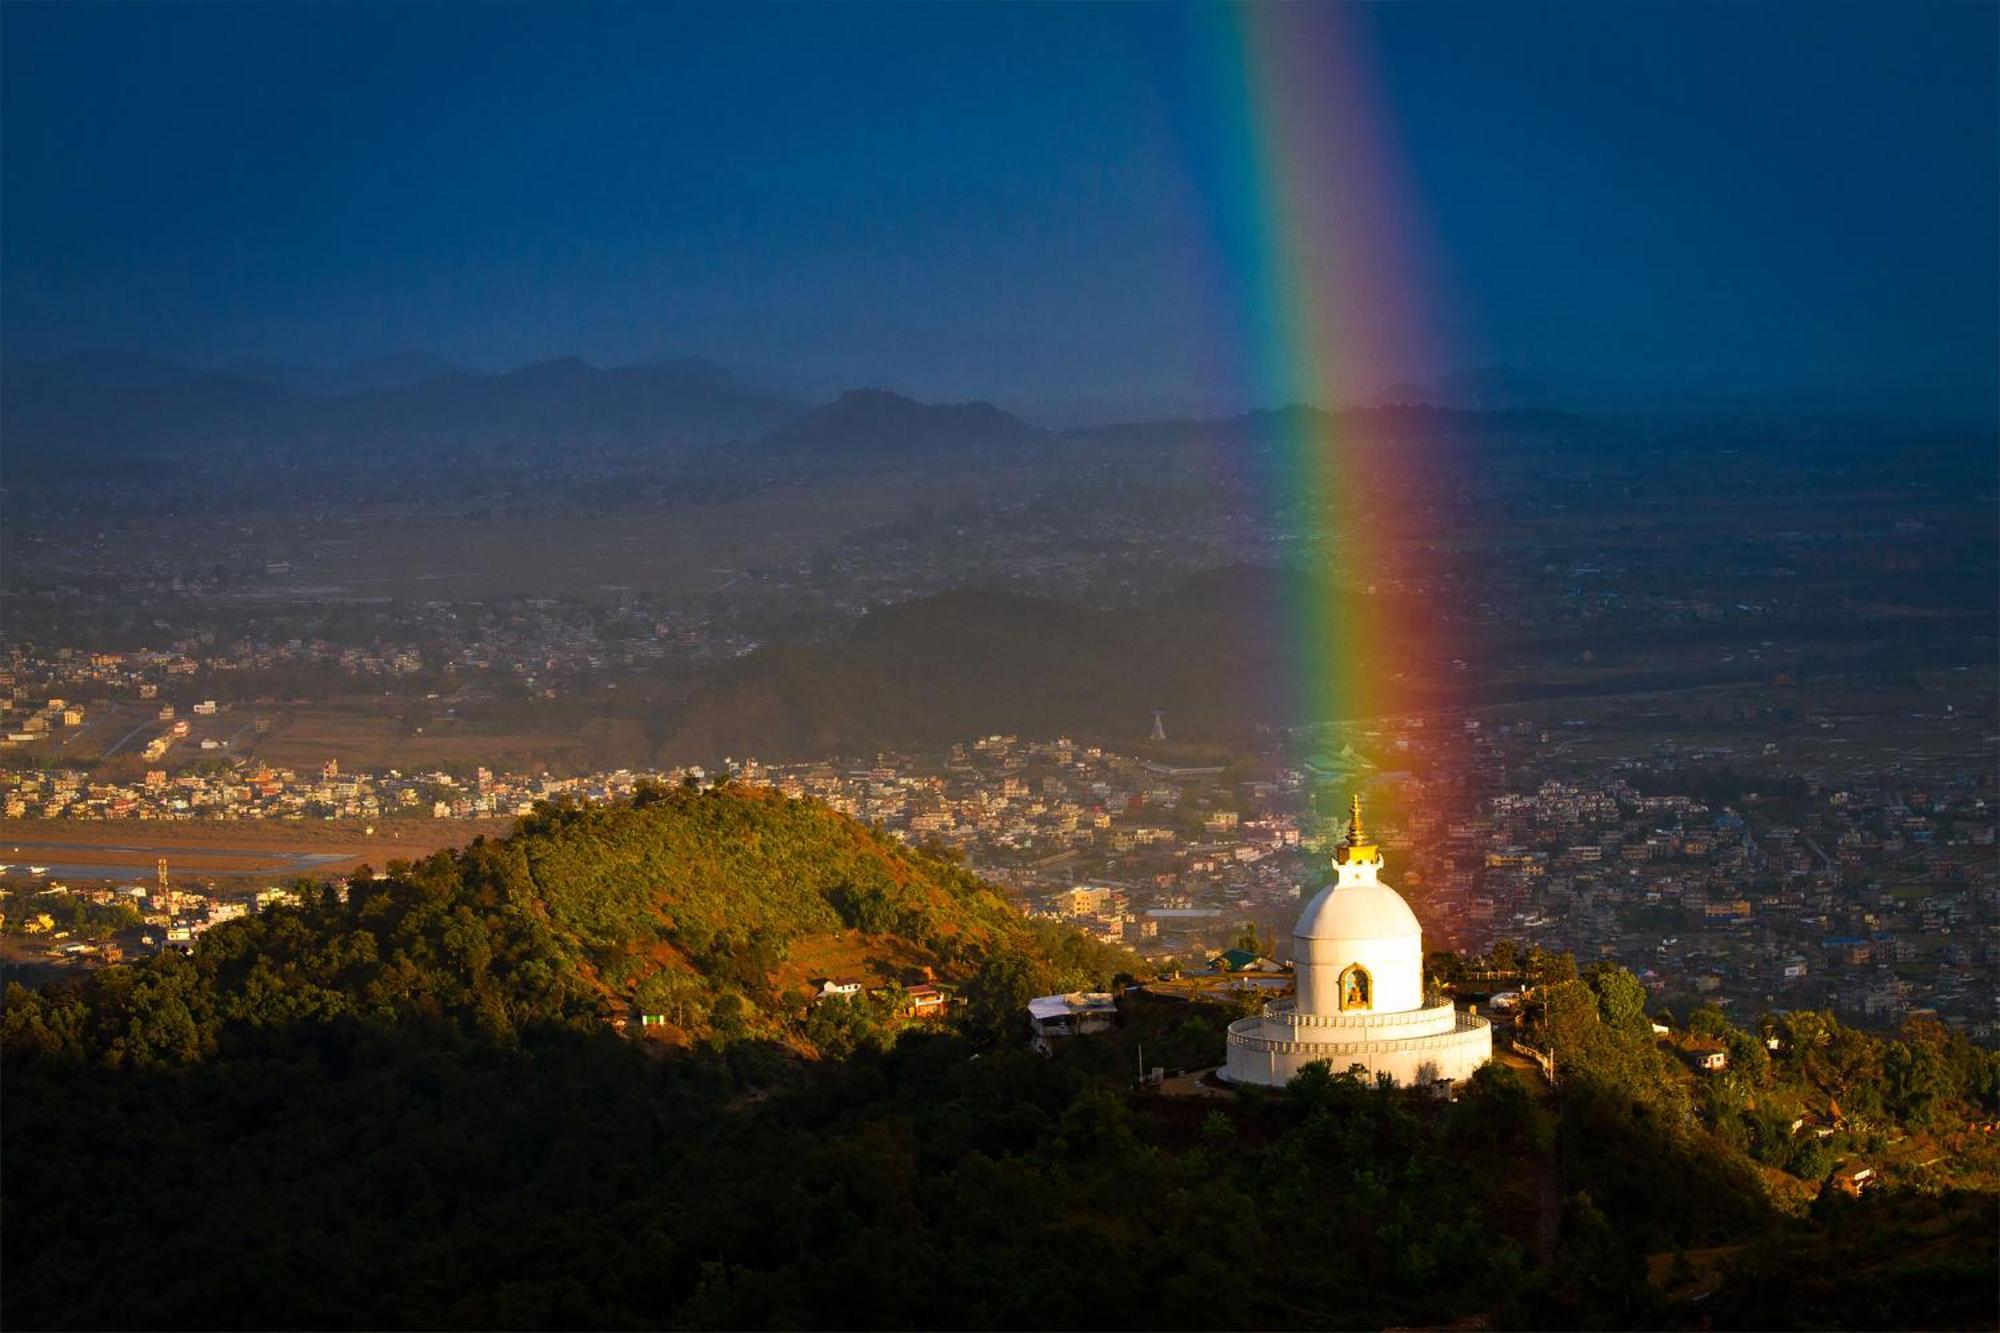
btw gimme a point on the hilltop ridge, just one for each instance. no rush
(706, 907)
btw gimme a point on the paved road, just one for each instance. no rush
(126, 739)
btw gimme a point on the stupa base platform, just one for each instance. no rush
(1414, 1047)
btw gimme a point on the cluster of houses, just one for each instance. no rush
(537, 639)
(922, 1001)
(255, 791)
(167, 917)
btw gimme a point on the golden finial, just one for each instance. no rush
(1358, 849)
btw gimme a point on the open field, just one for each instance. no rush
(228, 849)
(361, 739)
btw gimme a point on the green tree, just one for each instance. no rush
(996, 998)
(1621, 1000)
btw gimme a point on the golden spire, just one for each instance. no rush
(1357, 850)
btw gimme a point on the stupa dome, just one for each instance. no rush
(1365, 911)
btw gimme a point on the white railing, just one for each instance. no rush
(1285, 1011)
(1544, 1060)
(1241, 1033)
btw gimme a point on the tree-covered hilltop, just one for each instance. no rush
(703, 907)
(407, 1108)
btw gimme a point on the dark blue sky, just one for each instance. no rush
(1792, 203)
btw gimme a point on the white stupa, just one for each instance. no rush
(1359, 956)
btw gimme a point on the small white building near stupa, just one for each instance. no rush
(1358, 955)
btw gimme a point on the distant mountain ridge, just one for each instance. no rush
(682, 402)
(868, 428)
(105, 405)
(367, 375)
(108, 405)
(694, 426)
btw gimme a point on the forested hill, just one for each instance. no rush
(973, 661)
(711, 908)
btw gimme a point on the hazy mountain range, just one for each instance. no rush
(120, 405)
(66, 415)
(116, 403)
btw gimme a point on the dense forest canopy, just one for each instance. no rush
(411, 1107)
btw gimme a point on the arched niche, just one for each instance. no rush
(1357, 989)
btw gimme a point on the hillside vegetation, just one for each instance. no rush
(1658, 1160)
(686, 903)
(407, 1109)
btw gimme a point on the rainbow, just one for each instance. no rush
(1316, 240)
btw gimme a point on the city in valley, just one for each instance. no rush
(1752, 767)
